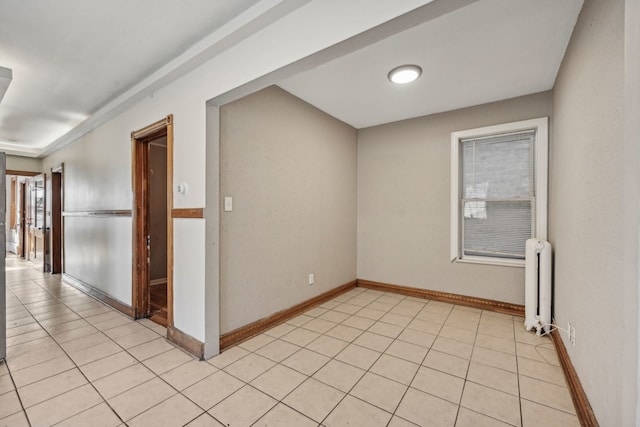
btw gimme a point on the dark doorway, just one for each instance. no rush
(152, 150)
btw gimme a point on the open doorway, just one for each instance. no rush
(56, 234)
(152, 177)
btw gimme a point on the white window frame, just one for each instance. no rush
(540, 126)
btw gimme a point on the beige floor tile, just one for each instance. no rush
(73, 334)
(439, 307)
(42, 370)
(98, 416)
(463, 323)
(431, 316)
(327, 346)
(356, 413)
(243, 408)
(339, 375)
(534, 415)
(320, 325)
(205, 420)
(6, 384)
(426, 410)
(373, 341)
(505, 332)
(469, 418)
(114, 320)
(418, 338)
(452, 346)
(400, 422)
(497, 359)
(330, 305)
(334, 316)
(379, 391)
(249, 367)
(545, 393)
(407, 311)
(123, 330)
(24, 360)
(277, 350)
(358, 322)
(256, 342)
(108, 365)
(19, 419)
(140, 398)
(158, 329)
(67, 326)
(370, 313)
(282, 415)
(9, 404)
(13, 330)
(407, 351)
(540, 353)
(299, 320)
(344, 333)
(27, 337)
(280, 330)
(496, 404)
(358, 356)
(440, 384)
(348, 309)
(460, 335)
(91, 354)
(495, 378)
(306, 361)
(386, 329)
(47, 388)
(448, 363)
(396, 319)
(128, 341)
(316, 311)
(396, 369)
(168, 360)
(300, 337)
(63, 406)
(314, 399)
(87, 341)
(494, 343)
(149, 349)
(211, 390)
(188, 374)
(382, 306)
(122, 380)
(278, 381)
(175, 411)
(426, 326)
(541, 371)
(228, 357)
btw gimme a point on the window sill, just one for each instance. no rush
(492, 261)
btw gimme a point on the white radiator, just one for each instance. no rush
(537, 283)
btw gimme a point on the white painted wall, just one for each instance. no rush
(291, 170)
(404, 199)
(588, 212)
(98, 164)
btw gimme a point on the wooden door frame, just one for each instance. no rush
(56, 217)
(139, 167)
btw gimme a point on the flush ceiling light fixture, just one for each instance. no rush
(404, 74)
(6, 75)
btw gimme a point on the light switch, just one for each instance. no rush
(228, 204)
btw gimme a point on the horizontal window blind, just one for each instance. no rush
(498, 194)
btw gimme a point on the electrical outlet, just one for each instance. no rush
(312, 279)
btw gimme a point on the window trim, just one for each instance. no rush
(540, 125)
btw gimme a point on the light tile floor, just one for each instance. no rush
(366, 358)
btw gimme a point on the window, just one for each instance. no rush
(498, 191)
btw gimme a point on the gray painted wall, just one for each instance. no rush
(403, 202)
(587, 205)
(24, 164)
(290, 169)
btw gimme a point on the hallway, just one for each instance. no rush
(365, 358)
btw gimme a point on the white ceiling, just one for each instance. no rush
(76, 60)
(70, 57)
(486, 51)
